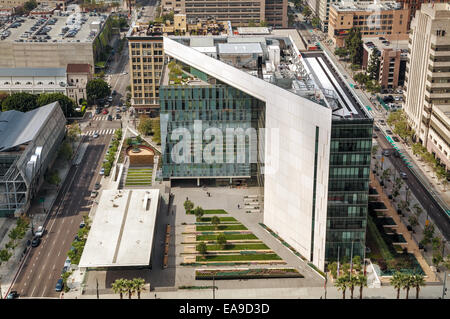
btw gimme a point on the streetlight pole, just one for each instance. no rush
(444, 290)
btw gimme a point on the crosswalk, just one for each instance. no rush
(100, 118)
(100, 132)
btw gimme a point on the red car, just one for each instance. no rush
(105, 111)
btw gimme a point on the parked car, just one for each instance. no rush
(102, 171)
(82, 224)
(403, 175)
(386, 153)
(376, 128)
(389, 132)
(35, 242)
(94, 194)
(396, 139)
(40, 231)
(67, 262)
(97, 186)
(12, 295)
(110, 98)
(114, 92)
(59, 285)
(65, 269)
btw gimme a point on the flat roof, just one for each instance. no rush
(84, 34)
(253, 30)
(394, 44)
(122, 230)
(239, 48)
(32, 72)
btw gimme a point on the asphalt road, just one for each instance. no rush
(436, 214)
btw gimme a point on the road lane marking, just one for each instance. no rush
(33, 291)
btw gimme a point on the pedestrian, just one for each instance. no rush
(239, 206)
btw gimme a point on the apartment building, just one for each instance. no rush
(147, 57)
(414, 5)
(386, 19)
(427, 96)
(238, 12)
(393, 58)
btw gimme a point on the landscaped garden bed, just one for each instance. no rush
(240, 257)
(222, 227)
(222, 219)
(231, 246)
(254, 273)
(228, 237)
(139, 177)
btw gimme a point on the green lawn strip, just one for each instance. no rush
(228, 237)
(139, 179)
(253, 273)
(139, 174)
(222, 219)
(232, 246)
(214, 211)
(222, 227)
(239, 257)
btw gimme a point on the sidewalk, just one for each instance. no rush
(385, 292)
(39, 212)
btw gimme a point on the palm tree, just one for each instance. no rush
(407, 283)
(138, 285)
(118, 286)
(397, 282)
(129, 287)
(361, 282)
(342, 283)
(352, 282)
(418, 281)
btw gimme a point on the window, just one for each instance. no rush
(17, 83)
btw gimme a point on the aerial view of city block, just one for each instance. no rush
(232, 149)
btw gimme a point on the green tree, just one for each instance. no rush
(341, 52)
(130, 287)
(145, 125)
(417, 282)
(198, 212)
(67, 105)
(30, 5)
(361, 282)
(139, 139)
(188, 206)
(97, 89)
(156, 131)
(138, 284)
(306, 11)
(129, 141)
(333, 269)
(73, 132)
(201, 248)
(354, 44)
(221, 240)
(357, 263)
(397, 282)
(65, 151)
(315, 22)
(342, 284)
(119, 286)
(413, 221)
(22, 102)
(407, 284)
(215, 221)
(5, 255)
(373, 69)
(263, 24)
(418, 210)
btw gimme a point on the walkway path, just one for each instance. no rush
(411, 244)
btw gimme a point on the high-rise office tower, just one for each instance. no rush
(427, 96)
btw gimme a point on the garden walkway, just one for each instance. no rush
(411, 244)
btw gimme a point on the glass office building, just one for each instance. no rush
(348, 187)
(204, 105)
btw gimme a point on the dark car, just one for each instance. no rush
(386, 153)
(376, 129)
(110, 118)
(389, 132)
(64, 270)
(82, 225)
(12, 295)
(97, 186)
(98, 111)
(59, 285)
(396, 139)
(118, 117)
(35, 242)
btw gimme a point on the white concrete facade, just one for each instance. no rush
(289, 153)
(52, 83)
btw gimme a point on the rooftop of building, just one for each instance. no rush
(368, 6)
(310, 75)
(49, 28)
(79, 68)
(123, 228)
(17, 128)
(33, 72)
(382, 44)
